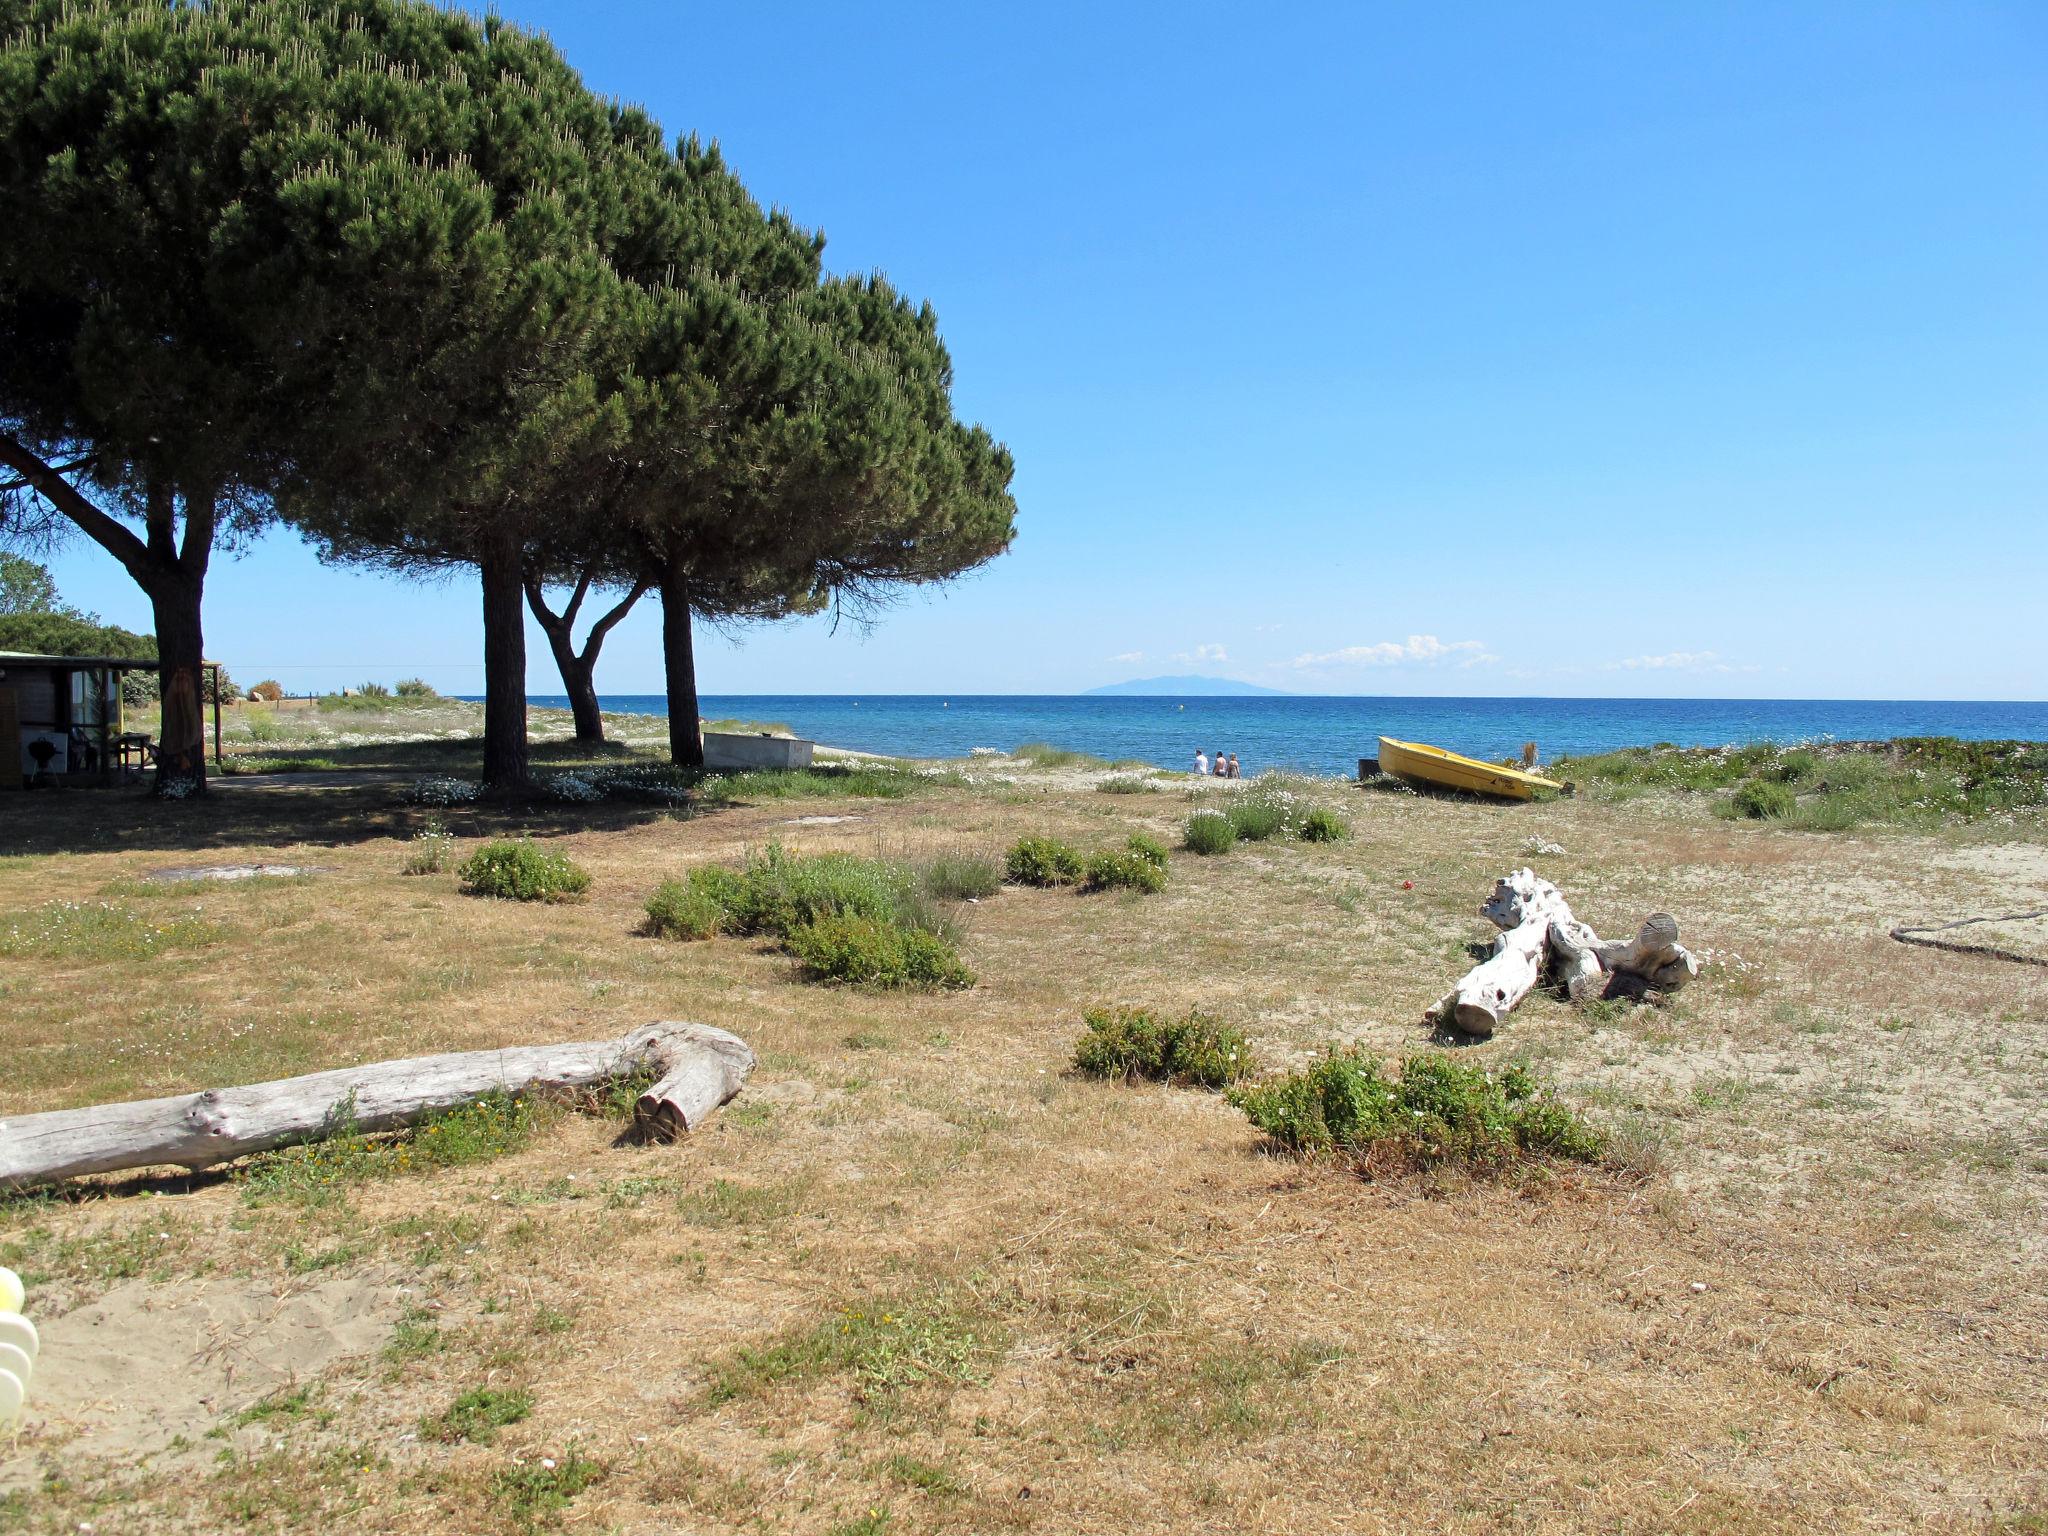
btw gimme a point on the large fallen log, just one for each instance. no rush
(696, 1068)
(1538, 929)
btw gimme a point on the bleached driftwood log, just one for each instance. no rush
(697, 1069)
(1536, 926)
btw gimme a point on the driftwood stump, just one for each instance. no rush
(697, 1068)
(1537, 928)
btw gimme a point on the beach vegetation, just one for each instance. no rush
(519, 869)
(1439, 1110)
(430, 849)
(1040, 754)
(960, 876)
(312, 1172)
(1914, 781)
(1209, 832)
(1125, 784)
(1042, 861)
(876, 952)
(1123, 869)
(1320, 824)
(1192, 1051)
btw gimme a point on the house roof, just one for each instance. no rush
(119, 663)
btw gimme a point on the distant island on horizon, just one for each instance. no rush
(1189, 685)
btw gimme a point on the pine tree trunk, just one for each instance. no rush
(685, 741)
(180, 648)
(505, 760)
(579, 681)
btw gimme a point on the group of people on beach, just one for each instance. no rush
(1222, 768)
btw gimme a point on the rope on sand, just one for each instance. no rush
(1918, 936)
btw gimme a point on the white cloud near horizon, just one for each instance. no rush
(1416, 650)
(1678, 661)
(1203, 653)
(1129, 656)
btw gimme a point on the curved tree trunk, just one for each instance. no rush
(505, 759)
(578, 668)
(678, 654)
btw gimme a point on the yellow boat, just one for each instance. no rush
(1422, 764)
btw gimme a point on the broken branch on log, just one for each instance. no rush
(1537, 926)
(696, 1069)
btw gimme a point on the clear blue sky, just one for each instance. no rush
(1389, 348)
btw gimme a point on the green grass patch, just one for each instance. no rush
(99, 930)
(1041, 754)
(244, 763)
(1131, 1043)
(314, 1171)
(853, 781)
(700, 906)
(522, 870)
(887, 1348)
(536, 1491)
(1914, 781)
(960, 877)
(477, 1416)
(1043, 861)
(1323, 825)
(1440, 1111)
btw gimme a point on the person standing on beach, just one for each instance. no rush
(1201, 764)
(1222, 768)
(1233, 765)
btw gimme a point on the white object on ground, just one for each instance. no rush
(14, 1358)
(11, 1293)
(12, 1395)
(1536, 925)
(697, 1068)
(20, 1332)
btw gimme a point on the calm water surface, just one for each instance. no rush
(1329, 735)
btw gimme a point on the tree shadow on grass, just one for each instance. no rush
(324, 815)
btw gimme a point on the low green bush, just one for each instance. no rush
(696, 907)
(875, 952)
(1044, 755)
(1256, 819)
(1439, 1111)
(1323, 825)
(1122, 868)
(1148, 848)
(523, 871)
(1124, 784)
(1763, 799)
(961, 877)
(1209, 832)
(1042, 861)
(1130, 1043)
(415, 688)
(313, 1172)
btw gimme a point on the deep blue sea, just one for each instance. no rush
(1329, 735)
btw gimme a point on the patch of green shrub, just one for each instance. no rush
(523, 871)
(876, 952)
(1323, 825)
(477, 1415)
(1044, 755)
(1124, 784)
(1439, 1111)
(1255, 819)
(853, 781)
(1765, 800)
(696, 907)
(1148, 848)
(1209, 832)
(1042, 861)
(780, 892)
(961, 877)
(415, 688)
(429, 851)
(1120, 868)
(1131, 1043)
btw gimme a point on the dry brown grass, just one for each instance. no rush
(1107, 1309)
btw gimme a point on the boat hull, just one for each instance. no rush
(1418, 763)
